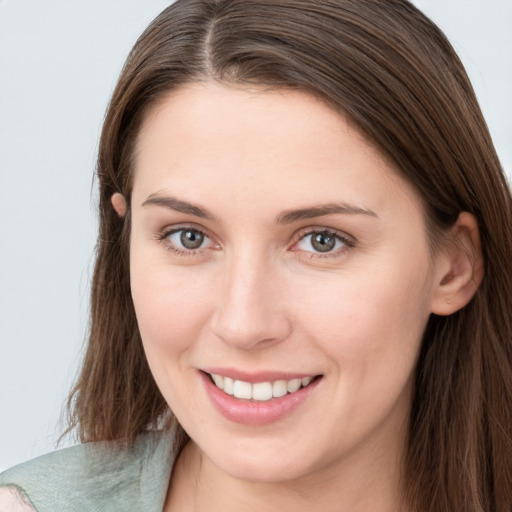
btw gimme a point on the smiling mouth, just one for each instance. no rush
(260, 391)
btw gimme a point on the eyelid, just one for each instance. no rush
(347, 239)
(163, 234)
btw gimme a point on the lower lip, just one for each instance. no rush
(253, 412)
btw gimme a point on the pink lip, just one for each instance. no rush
(250, 412)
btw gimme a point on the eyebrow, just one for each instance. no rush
(178, 205)
(287, 217)
(291, 216)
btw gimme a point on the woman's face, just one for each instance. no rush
(273, 247)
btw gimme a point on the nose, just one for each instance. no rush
(250, 312)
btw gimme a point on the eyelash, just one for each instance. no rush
(348, 242)
(164, 238)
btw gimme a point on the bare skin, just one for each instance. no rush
(13, 500)
(251, 177)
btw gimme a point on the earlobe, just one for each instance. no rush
(119, 203)
(460, 267)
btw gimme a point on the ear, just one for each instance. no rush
(460, 267)
(119, 203)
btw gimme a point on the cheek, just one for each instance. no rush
(370, 331)
(171, 304)
(171, 313)
(370, 323)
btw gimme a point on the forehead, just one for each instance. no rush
(210, 113)
(248, 144)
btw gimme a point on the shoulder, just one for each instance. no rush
(13, 500)
(81, 477)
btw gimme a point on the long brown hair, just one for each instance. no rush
(393, 73)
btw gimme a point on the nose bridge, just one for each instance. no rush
(250, 309)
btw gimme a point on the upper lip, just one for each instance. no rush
(260, 376)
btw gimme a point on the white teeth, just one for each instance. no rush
(219, 380)
(228, 385)
(242, 389)
(260, 391)
(279, 388)
(293, 385)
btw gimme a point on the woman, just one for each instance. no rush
(304, 254)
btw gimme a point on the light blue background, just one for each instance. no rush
(59, 60)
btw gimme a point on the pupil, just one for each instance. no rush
(191, 239)
(323, 242)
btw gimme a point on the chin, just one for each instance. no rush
(262, 464)
(268, 472)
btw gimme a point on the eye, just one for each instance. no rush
(323, 241)
(186, 239)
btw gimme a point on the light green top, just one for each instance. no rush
(98, 477)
